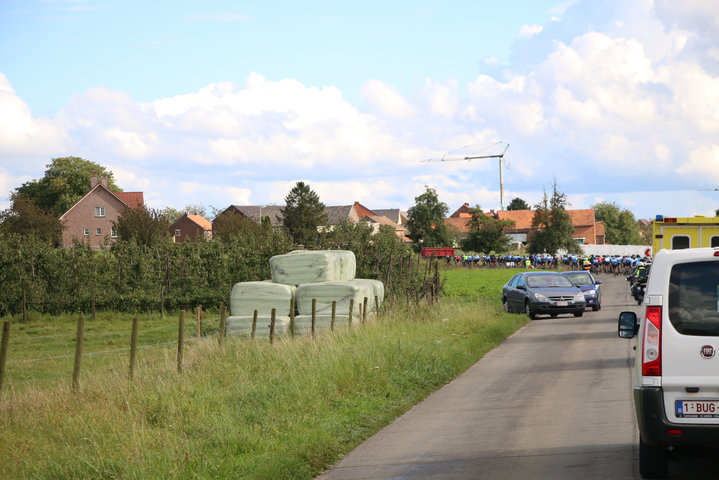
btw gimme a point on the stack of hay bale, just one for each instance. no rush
(323, 275)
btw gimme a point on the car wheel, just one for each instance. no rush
(505, 304)
(653, 462)
(579, 314)
(529, 312)
(595, 307)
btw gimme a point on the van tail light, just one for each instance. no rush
(652, 343)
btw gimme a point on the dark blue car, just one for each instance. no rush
(589, 286)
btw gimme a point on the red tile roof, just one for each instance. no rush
(201, 221)
(133, 199)
(363, 211)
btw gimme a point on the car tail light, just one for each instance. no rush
(652, 345)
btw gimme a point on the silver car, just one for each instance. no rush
(542, 293)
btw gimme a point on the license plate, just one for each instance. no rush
(562, 304)
(697, 408)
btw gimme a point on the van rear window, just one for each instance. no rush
(694, 298)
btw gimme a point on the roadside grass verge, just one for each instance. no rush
(250, 409)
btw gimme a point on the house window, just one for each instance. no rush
(98, 231)
(714, 241)
(178, 232)
(113, 232)
(99, 211)
(87, 232)
(580, 240)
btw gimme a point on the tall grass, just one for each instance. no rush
(249, 409)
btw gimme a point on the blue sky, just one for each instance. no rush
(220, 103)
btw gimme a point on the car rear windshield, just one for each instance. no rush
(694, 298)
(579, 278)
(548, 281)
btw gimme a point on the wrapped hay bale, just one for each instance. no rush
(242, 325)
(303, 323)
(246, 297)
(326, 292)
(377, 291)
(306, 266)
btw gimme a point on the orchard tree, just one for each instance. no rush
(620, 226)
(553, 226)
(425, 220)
(65, 181)
(26, 218)
(486, 233)
(518, 204)
(303, 213)
(142, 226)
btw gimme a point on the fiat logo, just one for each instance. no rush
(707, 351)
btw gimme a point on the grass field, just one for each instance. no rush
(250, 409)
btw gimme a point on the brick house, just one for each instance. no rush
(587, 229)
(188, 228)
(335, 214)
(91, 219)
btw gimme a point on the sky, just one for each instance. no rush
(217, 103)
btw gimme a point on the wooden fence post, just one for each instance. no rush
(223, 322)
(180, 338)
(272, 326)
(352, 306)
(292, 316)
(376, 305)
(361, 314)
(254, 325)
(3, 350)
(332, 319)
(199, 322)
(364, 317)
(314, 316)
(133, 346)
(78, 353)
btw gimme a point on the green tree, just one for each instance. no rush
(620, 226)
(518, 204)
(553, 226)
(26, 218)
(142, 226)
(486, 233)
(303, 213)
(425, 220)
(65, 181)
(235, 224)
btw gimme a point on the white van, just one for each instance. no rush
(676, 373)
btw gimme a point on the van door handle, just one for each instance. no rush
(692, 389)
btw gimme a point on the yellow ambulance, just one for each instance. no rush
(675, 233)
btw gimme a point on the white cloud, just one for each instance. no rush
(386, 99)
(702, 166)
(20, 133)
(528, 31)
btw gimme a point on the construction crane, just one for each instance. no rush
(468, 158)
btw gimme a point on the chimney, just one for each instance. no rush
(93, 180)
(103, 180)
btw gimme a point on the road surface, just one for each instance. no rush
(551, 402)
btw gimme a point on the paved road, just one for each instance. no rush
(552, 402)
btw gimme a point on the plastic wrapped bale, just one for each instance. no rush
(242, 325)
(246, 297)
(303, 266)
(327, 292)
(303, 323)
(377, 291)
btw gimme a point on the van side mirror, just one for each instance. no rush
(627, 325)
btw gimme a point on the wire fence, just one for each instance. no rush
(112, 360)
